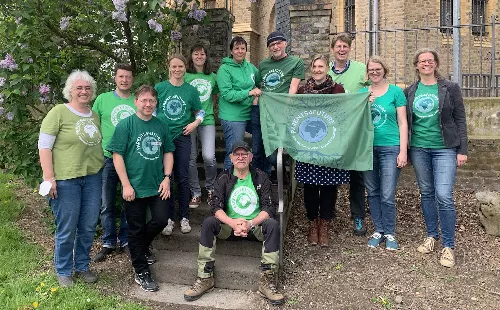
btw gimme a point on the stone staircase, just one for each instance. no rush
(237, 260)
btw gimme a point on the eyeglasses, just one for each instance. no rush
(378, 70)
(86, 88)
(144, 101)
(240, 155)
(429, 61)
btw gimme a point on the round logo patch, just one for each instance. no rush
(174, 108)
(379, 116)
(148, 145)
(313, 129)
(273, 79)
(425, 105)
(243, 200)
(88, 132)
(204, 88)
(121, 112)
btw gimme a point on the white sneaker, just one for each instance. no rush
(185, 228)
(167, 231)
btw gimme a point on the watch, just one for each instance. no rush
(168, 175)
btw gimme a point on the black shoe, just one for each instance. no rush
(146, 282)
(102, 254)
(150, 257)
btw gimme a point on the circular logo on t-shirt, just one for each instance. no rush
(148, 145)
(243, 200)
(273, 79)
(425, 105)
(88, 132)
(379, 115)
(174, 107)
(121, 112)
(204, 88)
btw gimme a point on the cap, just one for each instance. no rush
(240, 145)
(275, 36)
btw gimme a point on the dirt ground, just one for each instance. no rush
(347, 274)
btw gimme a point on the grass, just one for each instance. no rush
(23, 283)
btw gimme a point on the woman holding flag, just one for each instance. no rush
(390, 145)
(320, 183)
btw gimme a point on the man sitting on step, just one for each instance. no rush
(241, 205)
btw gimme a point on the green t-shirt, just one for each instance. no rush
(426, 130)
(206, 86)
(384, 116)
(77, 149)
(353, 79)
(142, 145)
(243, 201)
(176, 105)
(111, 108)
(276, 75)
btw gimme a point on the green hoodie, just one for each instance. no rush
(235, 81)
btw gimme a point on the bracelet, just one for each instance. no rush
(251, 224)
(50, 180)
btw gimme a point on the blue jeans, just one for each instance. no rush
(435, 170)
(181, 176)
(207, 138)
(76, 210)
(108, 209)
(259, 160)
(233, 132)
(381, 185)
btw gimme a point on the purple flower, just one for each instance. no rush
(44, 99)
(8, 63)
(44, 89)
(199, 15)
(120, 16)
(121, 8)
(1, 99)
(64, 22)
(2, 110)
(154, 25)
(10, 116)
(2, 82)
(175, 35)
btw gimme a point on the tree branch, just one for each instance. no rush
(130, 42)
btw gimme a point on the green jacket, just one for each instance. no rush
(235, 81)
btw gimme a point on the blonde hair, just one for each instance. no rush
(378, 60)
(325, 58)
(177, 56)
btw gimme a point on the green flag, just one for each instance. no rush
(327, 130)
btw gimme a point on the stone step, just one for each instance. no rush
(178, 241)
(231, 272)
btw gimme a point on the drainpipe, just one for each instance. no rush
(457, 54)
(375, 27)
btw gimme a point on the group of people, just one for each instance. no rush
(148, 139)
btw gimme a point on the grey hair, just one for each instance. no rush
(77, 75)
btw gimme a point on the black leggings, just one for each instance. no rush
(320, 198)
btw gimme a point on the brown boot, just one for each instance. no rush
(268, 289)
(323, 234)
(200, 287)
(312, 236)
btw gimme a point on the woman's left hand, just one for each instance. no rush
(402, 160)
(190, 128)
(461, 159)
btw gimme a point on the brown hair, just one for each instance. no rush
(143, 89)
(378, 60)
(207, 67)
(344, 37)
(123, 66)
(436, 59)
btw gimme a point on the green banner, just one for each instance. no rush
(327, 130)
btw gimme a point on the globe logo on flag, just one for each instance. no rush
(313, 129)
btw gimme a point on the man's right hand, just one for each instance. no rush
(128, 193)
(238, 226)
